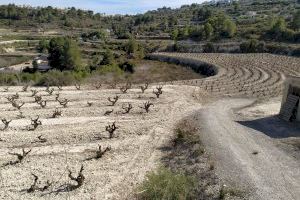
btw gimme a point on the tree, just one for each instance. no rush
(209, 48)
(208, 29)
(108, 58)
(64, 54)
(296, 21)
(174, 34)
(35, 65)
(132, 46)
(43, 46)
(229, 28)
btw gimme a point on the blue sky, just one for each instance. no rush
(106, 6)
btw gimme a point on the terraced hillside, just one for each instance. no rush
(252, 75)
(71, 140)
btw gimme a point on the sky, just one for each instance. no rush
(106, 6)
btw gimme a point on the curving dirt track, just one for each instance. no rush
(246, 151)
(270, 173)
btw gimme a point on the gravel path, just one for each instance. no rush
(248, 157)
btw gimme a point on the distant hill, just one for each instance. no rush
(211, 21)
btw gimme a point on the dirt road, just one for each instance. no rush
(246, 156)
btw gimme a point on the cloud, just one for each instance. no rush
(106, 6)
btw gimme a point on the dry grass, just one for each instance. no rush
(12, 60)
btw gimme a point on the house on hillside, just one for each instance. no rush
(290, 106)
(42, 63)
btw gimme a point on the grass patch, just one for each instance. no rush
(6, 61)
(166, 185)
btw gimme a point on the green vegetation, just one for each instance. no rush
(64, 54)
(6, 61)
(209, 21)
(165, 185)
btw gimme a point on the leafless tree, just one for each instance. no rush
(41, 139)
(125, 88)
(89, 104)
(158, 92)
(12, 98)
(33, 92)
(78, 86)
(16, 96)
(20, 115)
(108, 112)
(37, 98)
(43, 104)
(114, 100)
(111, 129)
(20, 157)
(56, 113)
(25, 88)
(6, 123)
(59, 87)
(64, 102)
(147, 106)
(57, 96)
(113, 85)
(144, 87)
(33, 187)
(78, 179)
(127, 108)
(5, 89)
(97, 85)
(17, 105)
(49, 90)
(35, 123)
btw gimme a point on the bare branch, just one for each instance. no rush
(147, 106)
(111, 129)
(108, 112)
(35, 123)
(114, 100)
(144, 88)
(78, 179)
(56, 113)
(6, 123)
(127, 108)
(158, 92)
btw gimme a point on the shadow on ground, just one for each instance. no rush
(274, 127)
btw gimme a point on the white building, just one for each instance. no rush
(290, 106)
(43, 63)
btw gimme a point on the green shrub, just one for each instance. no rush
(252, 46)
(166, 185)
(114, 69)
(127, 66)
(209, 48)
(54, 77)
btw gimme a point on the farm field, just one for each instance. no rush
(250, 75)
(228, 110)
(67, 142)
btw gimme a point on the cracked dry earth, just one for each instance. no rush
(76, 135)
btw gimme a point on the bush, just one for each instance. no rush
(127, 66)
(252, 46)
(166, 185)
(209, 48)
(54, 78)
